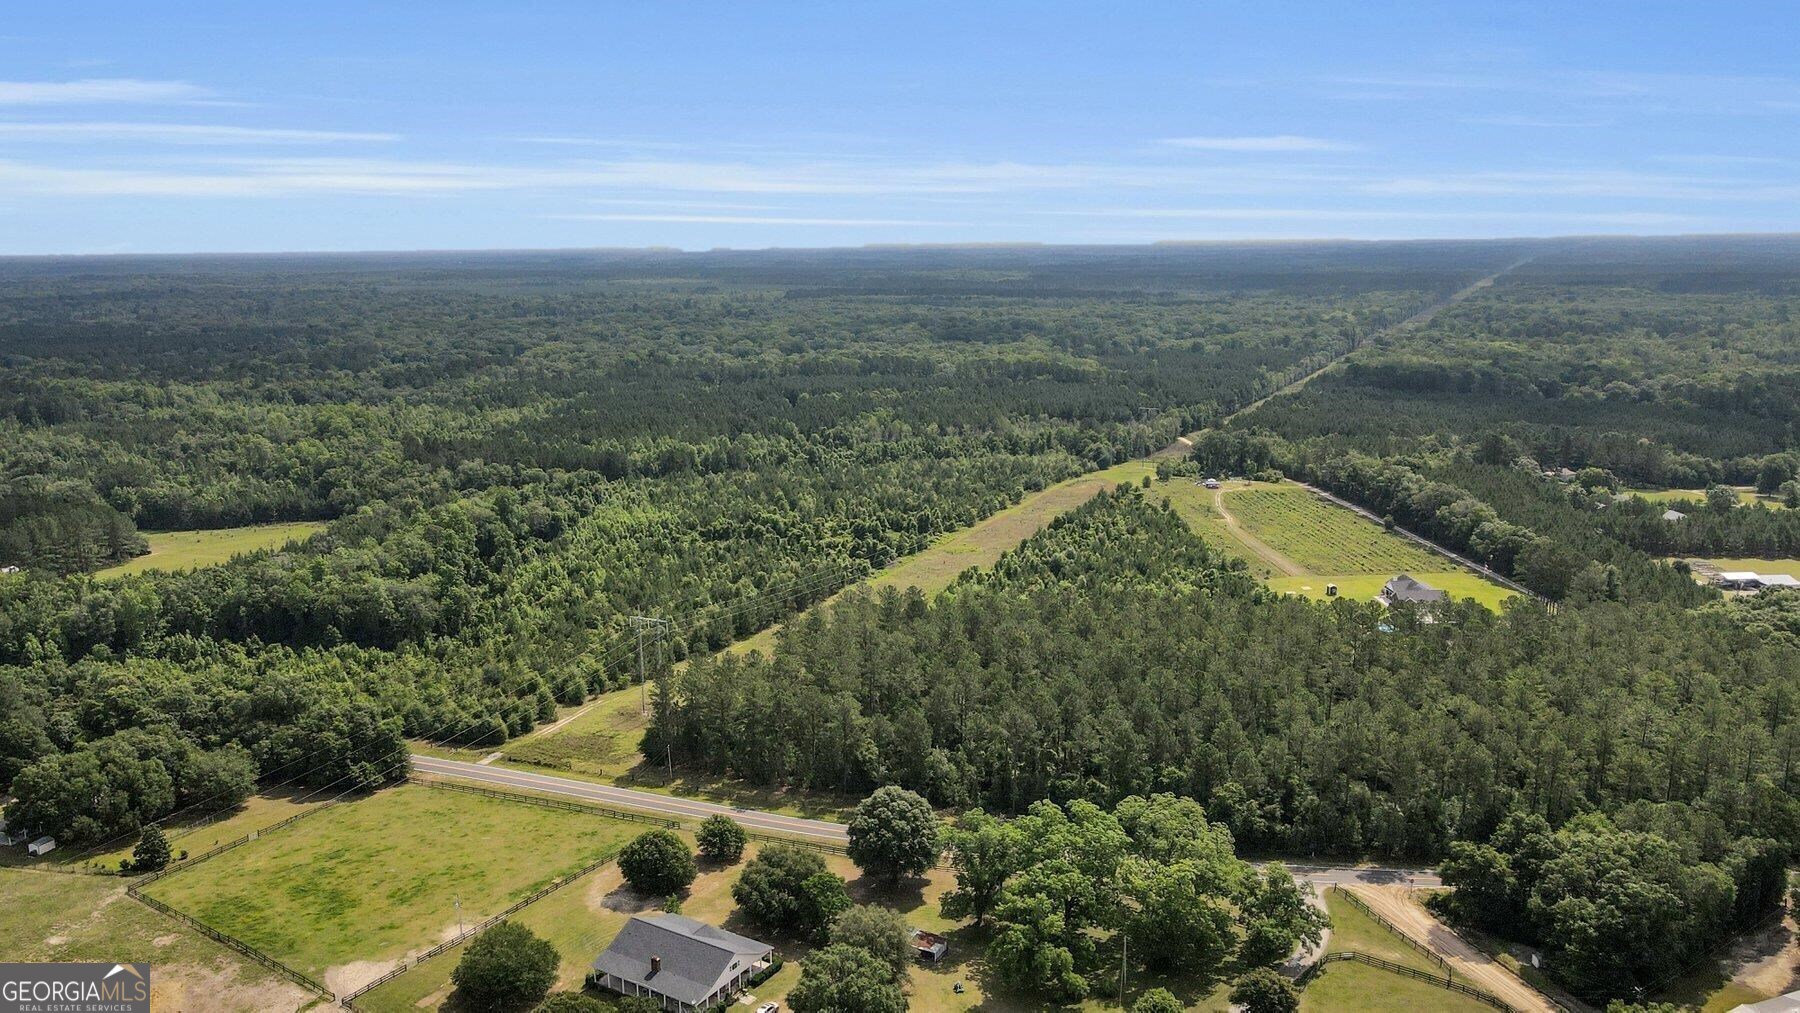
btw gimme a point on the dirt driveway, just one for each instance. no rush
(1396, 904)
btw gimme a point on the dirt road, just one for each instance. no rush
(1395, 903)
(1275, 559)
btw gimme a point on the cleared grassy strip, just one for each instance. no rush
(188, 550)
(341, 895)
(932, 568)
(1746, 495)
(57, 917)
(1323, 537)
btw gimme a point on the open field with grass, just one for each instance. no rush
(47, 916)
(1323, 537)
(188, 550)
(1297, 543)
(1459, 584)
(1347, 986)
(193, 836)
(342, 895)
(1746, 495)
(582, 919)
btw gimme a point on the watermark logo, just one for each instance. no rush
(74, 988)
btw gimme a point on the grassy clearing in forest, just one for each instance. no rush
(1278, 529)
(1322, 536)
(189, 550)
(341, 895)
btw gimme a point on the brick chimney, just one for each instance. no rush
(655, 964)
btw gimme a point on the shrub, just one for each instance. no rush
(506, 967)
(152, 851)
(721, 840)
(657, 863)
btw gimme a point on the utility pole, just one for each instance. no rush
(459, 922)
(641, 624)
(1124, 954)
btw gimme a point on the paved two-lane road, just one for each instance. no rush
(628, 798)
(674, 807)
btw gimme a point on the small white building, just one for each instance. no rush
(41, 846)
(1673, 515)
(1750, 580)
(1211, 483)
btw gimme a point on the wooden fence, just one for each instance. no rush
(568, 805)
(347, 1000)
(231, 942)
(1425, 951)
(1401, 969)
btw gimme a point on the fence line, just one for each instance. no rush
(231, 942)
(1411, 972)
(554, 803)
(347, 1000)
(217, 850)
(1426, 951)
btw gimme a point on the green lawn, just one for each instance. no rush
(47, 916)
(1459, 584)
(1352, 929)
(1348, 986)
(188, 550)
(581, 920)
(343, 894)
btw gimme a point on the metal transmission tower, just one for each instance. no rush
(642, 624)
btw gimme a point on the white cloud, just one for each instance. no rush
(177, 133)
(1275, 142)
(1586, 183)
(747, 220)
(99, 89)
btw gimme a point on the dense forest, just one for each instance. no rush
(516, 453)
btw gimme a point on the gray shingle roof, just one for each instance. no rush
(1407, 588)
(697, 958)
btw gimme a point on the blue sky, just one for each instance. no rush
(162, 127)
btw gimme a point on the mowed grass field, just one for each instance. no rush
(344, 893)
(47, 916)
(189, 550)
(1298, 543)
